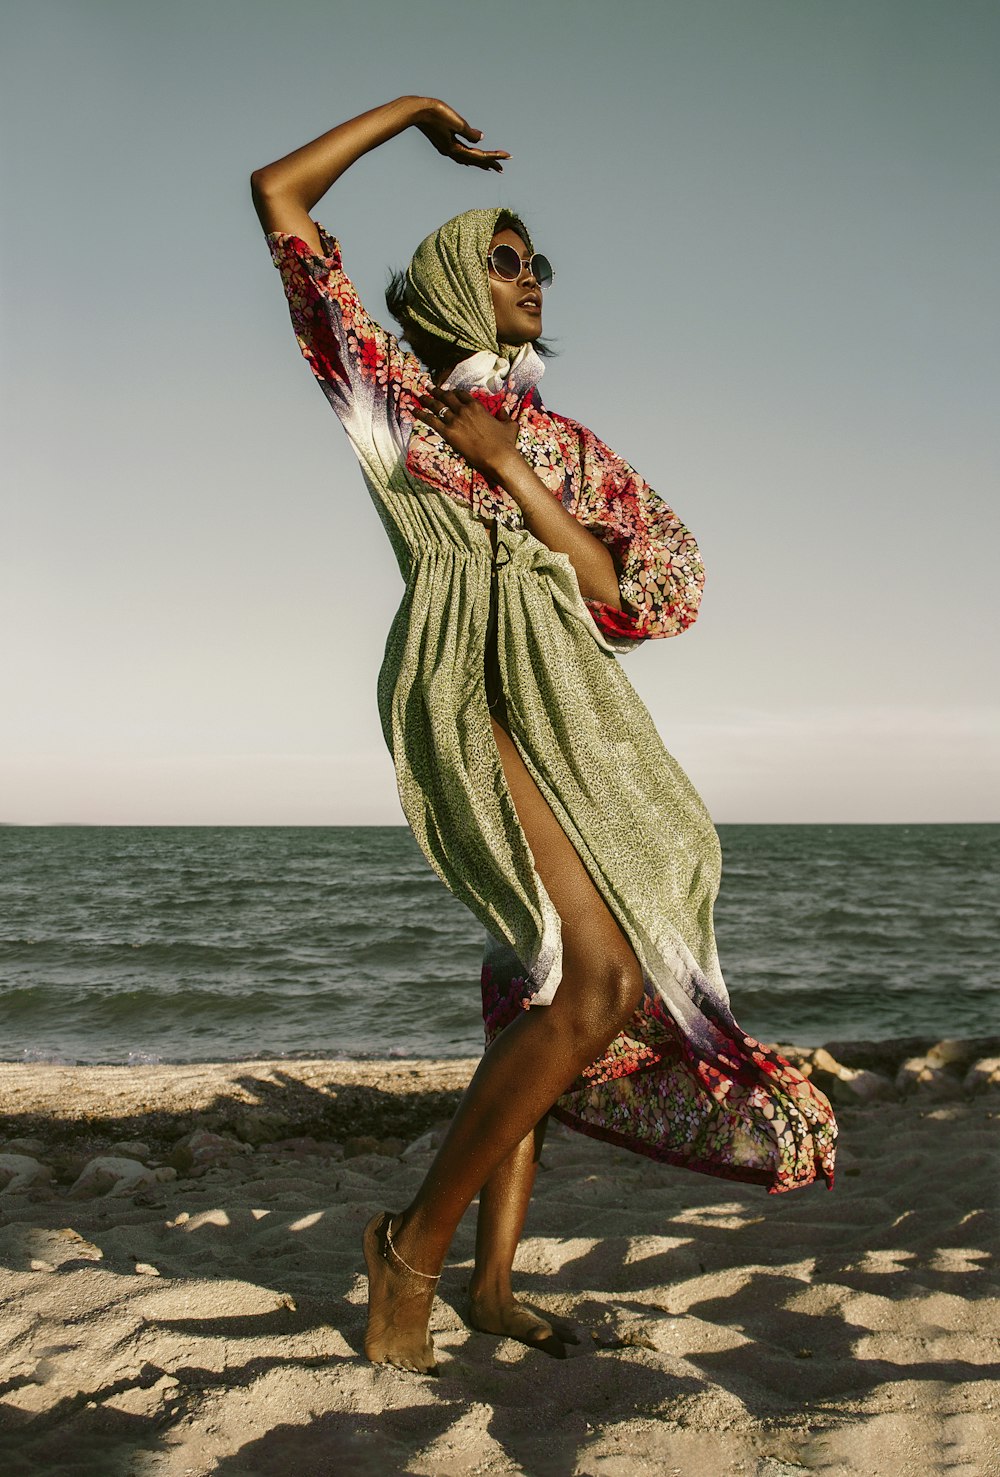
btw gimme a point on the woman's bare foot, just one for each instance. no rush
(399, 1304)
(513, 1320)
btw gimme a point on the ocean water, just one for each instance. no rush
(174, 944)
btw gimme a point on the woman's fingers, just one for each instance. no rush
(449, 399)
(430, 419)
(433, 403)
(436, 411)
(453, 402)
(480, 158)
(447, 143)
(444, 409)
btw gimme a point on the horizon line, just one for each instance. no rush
(381, 825)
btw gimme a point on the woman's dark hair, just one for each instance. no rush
(434, 352)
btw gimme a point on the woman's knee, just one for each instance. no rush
(604, 992)
(623, 987)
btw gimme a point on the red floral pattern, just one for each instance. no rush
(357, 363)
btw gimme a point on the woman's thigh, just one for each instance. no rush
(597, 957)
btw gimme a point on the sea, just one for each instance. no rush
(183, 944)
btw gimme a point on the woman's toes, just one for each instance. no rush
(550, 1344)
(564, 1331)
(516, 1321)
(411, 1366)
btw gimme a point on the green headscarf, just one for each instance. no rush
(447, 286)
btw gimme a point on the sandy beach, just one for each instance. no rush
(183, 1289)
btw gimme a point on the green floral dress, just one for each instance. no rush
(684, 1083)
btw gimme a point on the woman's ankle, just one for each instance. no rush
(490, 1286)
(414, 1246)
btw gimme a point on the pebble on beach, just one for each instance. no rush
(21, 1172)
(109, 1174)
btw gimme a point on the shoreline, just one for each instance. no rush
(268, 1099)
(915, 1041)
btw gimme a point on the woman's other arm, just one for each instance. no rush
(488, 444)
(545, 517)
(285, 192)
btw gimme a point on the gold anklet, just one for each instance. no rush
(431, 1276)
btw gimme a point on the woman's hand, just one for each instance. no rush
(443, 126)
(486, 442)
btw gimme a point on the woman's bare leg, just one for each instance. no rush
(525, 1069)
(503, 1205)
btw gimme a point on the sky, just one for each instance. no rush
(775, 226)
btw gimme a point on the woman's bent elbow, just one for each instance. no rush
(259, 184)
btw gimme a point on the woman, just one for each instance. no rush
(529, 770)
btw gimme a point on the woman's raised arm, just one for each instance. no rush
(285, 192)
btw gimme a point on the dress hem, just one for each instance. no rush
(744, 1173)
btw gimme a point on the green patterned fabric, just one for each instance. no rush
(447, 284)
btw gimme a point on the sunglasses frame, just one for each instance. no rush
(522, 262)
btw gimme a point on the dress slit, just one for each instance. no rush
(496, 703)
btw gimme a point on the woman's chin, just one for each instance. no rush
(521, 336)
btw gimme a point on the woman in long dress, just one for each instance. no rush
(528, 768)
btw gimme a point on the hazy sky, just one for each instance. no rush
(776, 228)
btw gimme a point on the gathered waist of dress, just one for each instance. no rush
(512, 546)
(448, 557)
(431, 553)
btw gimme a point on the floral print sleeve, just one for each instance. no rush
(660, 572)
(363, 371)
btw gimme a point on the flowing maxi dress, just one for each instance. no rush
(683, 1083)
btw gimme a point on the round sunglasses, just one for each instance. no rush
(507, 264)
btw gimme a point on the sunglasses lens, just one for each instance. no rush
(506, 263)
(541, 269)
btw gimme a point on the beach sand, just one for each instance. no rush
(176, 1305)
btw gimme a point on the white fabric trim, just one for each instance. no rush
(494, 372)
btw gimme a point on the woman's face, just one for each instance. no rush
(517, 305)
